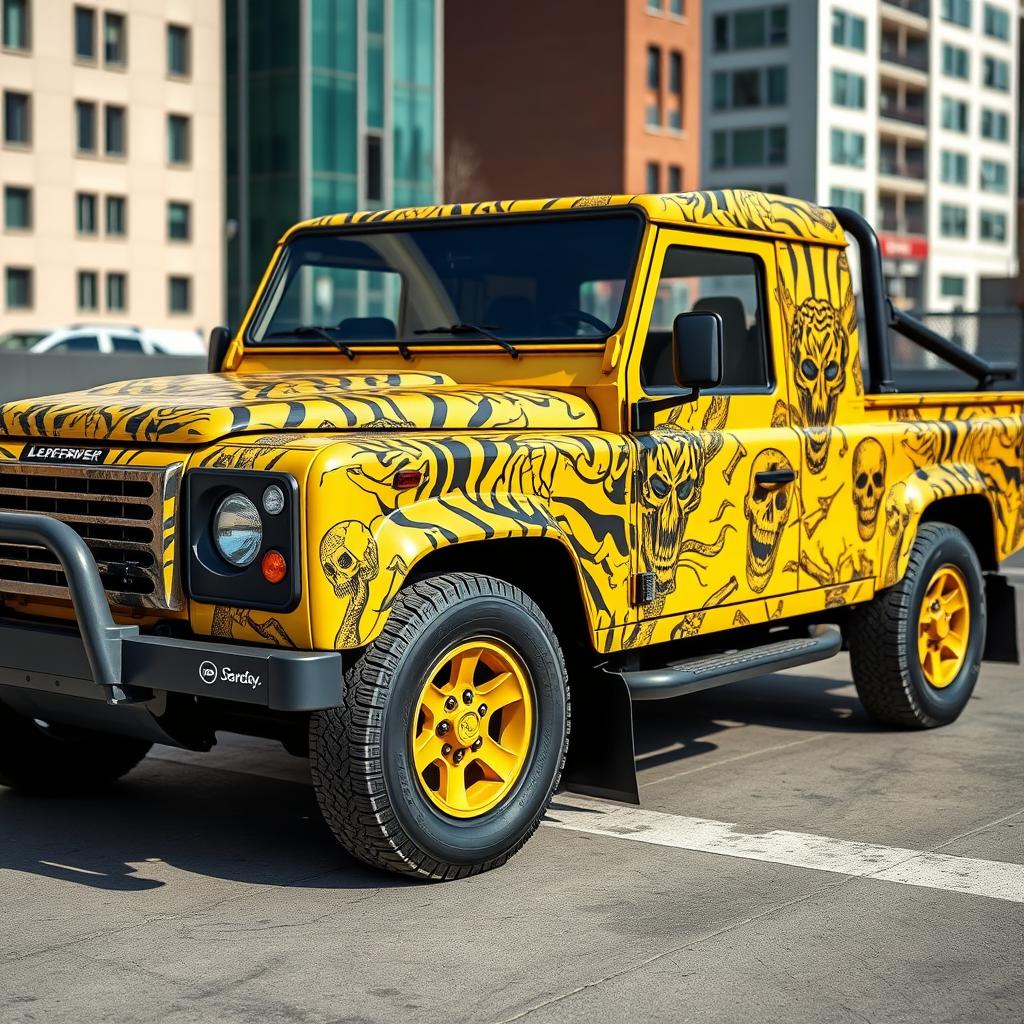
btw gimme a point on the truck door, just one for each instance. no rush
(717, 515)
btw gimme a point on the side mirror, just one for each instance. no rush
(697, 349)
(220, 339)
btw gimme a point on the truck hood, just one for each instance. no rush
(197, 410)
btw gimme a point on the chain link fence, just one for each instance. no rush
(994, 334)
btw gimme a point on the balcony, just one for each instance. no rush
(908, 115)
(913, 169)
(905, 226)
(915, 61)
(921, 8)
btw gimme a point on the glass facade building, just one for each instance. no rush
(332, 105)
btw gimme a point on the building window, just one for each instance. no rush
(374, 169)
(17, 208)
(995, 176)
(654, 68)
(747, 30)
(848, 89)
(117, 218)
(749, 147)
(848, 30)
(87, 290)
(115, 42)
(847, 148)
(179, 148)
(114, 130)
(997, 22)
(85, 126)
(85, 213)
(676, 8)
(749, 87)
(956, 61)
(17, 118)
(952, 287)
(957, 11)
(851, 198)
(996, 74)
(675, 73)
(117, 287)
(654, 6)
(675, 88)
(652, 115)
(85, 33)
(675, 178)
(653, 177)
(954, 114)
(16, 35)
(179, 51)
(954, 168)
(995, 125)
(18, 288)
(179, 294)
(992, 226)
(953, 221)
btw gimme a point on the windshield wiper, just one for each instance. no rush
(311, 330)
(484, 332)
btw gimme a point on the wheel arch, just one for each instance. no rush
(973, 515)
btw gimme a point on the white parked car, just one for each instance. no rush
(117, 340)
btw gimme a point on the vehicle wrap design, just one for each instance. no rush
(552, 459)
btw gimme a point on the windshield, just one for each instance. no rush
(564, 279)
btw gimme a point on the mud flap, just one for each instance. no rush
(1001, 637)
(601, 760)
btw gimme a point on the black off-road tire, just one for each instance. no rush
(882, 637)
(366, 785)
(56, 760)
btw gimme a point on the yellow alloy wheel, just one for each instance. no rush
(944, 627)
(472, 728)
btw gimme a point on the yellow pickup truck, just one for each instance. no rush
(460, 464)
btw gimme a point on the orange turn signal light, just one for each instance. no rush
(274, 567)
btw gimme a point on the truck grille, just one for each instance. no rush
(124, 515)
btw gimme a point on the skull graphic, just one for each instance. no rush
(868, 485)
(897, 519)
(767, 510)
(670, 492)
(348, 554)
(819, 347)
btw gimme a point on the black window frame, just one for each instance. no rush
(584, 213)
(764, 319)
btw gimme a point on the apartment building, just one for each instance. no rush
(111, 164)
(545, 99)
(901, 109)
(332, 105)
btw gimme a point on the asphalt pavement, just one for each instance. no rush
(790, 862)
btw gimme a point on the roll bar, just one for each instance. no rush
(880, 316)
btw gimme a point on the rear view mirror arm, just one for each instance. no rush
(642, 411)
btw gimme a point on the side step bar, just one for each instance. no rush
(702, 673)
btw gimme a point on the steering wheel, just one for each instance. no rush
(581, 316)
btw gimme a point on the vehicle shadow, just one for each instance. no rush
(669, 731)
(207, 818)
(202, 821)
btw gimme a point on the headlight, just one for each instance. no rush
(237, 530)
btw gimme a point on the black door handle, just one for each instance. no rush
(775, 477)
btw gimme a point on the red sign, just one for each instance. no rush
(899, 247)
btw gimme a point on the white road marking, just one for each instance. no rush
(994, 879)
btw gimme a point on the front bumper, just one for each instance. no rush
(119, 665)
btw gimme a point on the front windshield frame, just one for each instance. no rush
(262, 314)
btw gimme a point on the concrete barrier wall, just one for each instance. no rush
(30, 376)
